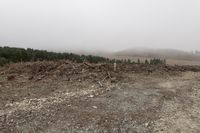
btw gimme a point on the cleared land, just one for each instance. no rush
(69, 97)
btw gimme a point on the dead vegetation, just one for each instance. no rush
(100, 72)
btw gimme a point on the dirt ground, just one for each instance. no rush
(64, 97)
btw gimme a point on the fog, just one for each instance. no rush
(103, 25)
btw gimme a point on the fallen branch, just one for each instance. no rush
(100, 84)
(104, 78)
(89, 65)
(109, 75)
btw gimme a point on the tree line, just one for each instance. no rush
(14, 55)
(156, 61)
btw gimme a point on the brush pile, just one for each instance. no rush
(69, 71)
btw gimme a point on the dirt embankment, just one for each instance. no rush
(68, 97)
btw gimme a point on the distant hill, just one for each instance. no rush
(158, 53)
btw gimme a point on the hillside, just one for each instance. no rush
(158, 53)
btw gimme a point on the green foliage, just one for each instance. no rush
(3, 61)
(129, 61)
(138, 61)
(11, 54)
(146, 62)
(157, 62)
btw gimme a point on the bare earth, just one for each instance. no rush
(64, 97)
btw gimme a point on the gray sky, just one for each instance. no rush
(108, 25)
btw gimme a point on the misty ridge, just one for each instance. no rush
(140, 52)
(160, 53)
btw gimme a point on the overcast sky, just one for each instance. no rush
(108, 25)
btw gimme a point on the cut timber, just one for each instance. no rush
(89, 65)
(109, 75)
(100, 84)
(104, 78)
(115, 67)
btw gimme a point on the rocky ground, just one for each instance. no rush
(62, 97)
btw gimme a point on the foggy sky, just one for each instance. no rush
(108, 25)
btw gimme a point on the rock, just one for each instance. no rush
(91, 96)
(146, 124)
(95, 107)
(2, 73)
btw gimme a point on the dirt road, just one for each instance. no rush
(139, 103)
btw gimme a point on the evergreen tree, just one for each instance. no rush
(146, 62)
(129, 61)
(138, 61)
